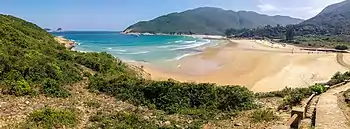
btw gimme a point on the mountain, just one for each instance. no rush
(32, 62)
(334, 18)
(208, 20)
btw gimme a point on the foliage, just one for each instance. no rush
(32, 61)
(174, 97)
(291, 97)
(346, 95)
(207, 20)
(341, 47)
(318, 88)
(53, 89)
(48, 118)
(120, 120)
(22, 88)
(261, 115)
(338, 78)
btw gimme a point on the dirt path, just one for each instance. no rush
(328, 113)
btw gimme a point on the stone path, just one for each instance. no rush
(328, 113)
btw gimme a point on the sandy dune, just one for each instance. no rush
(258, 65)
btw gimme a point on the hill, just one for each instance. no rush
(52, 87)
(334, 18)
(208, 20)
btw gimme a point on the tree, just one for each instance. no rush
(290, 33)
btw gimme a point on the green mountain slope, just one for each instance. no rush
(32, 62)
(207, 20)
(334, 18)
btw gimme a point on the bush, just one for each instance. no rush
(318, 88)
(338, 78)
(261, 115)
(51, 118)
(341, 47)
(53, 89)
(346, 95)
(22, 88)
(176, 97)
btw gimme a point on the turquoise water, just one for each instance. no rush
(146, 48)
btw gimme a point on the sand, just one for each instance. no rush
(258, 65)
(65, 42)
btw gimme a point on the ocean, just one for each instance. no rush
(145, 48)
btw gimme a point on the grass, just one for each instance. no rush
(262, 115)
(48, 118)
(121, 120)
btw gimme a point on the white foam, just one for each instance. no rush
(135, 53)
(185, 55)
(109, 48)
(194, 45)
(179, 41)
(118, 50)
(190, 41)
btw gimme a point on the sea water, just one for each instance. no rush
(145, 48)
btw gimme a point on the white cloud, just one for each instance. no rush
(267, 7)
(295, 8)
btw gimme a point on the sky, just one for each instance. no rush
(119, 14)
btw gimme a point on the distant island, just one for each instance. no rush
(209, 21)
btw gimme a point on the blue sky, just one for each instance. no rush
(118, 14)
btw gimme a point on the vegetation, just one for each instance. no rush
(48, 118)
(261, 115)
(208, 21)
(318, 88)
(346, 95)
(120, 121)
(329, 29)
(32, 62)
(338, 78)
(341, 47)
(202, 100)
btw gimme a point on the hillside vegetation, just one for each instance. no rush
(33, 64)
(207, 20)
(330, 28)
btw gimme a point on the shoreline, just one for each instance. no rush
(260, 66)
(69, 44)
(256, 64)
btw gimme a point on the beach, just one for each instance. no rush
(259, 65)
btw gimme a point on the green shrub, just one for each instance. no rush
(176, 97)
(341, 47)
(338, 78)
(48, 118)
(261, 115)
(22, 88)
(318, 88)
(53, 89)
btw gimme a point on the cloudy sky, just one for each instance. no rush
(118, 14)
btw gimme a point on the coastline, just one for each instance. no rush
(69, 44)
(259, 65)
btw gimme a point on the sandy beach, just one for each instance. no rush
(65, 42)
(259, 65)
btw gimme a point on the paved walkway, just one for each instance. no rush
(328, 113)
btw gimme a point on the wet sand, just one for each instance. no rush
(258, 65)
